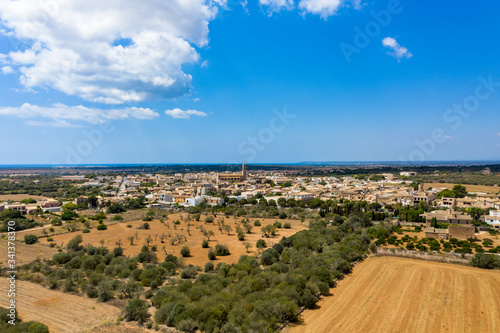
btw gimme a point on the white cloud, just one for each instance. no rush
(55, 123)
(180, 114)
(274, 6)
(398, 51)
(323, 8)
(7, 70)
(244, 4)
(326, 8)
(113, 51)
(60, 114)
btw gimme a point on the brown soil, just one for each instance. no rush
(199, 255)
(62, 313)
(470, 188)
(25, 253)
(19, 197)
(386, 294)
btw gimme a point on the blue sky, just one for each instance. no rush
(98, 94)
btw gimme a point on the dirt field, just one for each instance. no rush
(199, 255)
(62, 313)
(25, 253)
(19, 197)
(385, 294)
(470, 188)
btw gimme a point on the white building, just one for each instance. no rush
(493, 218)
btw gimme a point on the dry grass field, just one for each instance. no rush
(386, 294)
(199, 255)
(470, 188)
(25, 253)
(62, 313)
(19, 197)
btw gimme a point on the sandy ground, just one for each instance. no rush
(199, 255)
(386, 294)
(470, 188)
(25, 253)
(62, 313)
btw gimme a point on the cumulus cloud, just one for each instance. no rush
(113, 51)
(397, 51)
(274, 6)
(181, 114)
(60, 114)
(323, 8)
(7, 70)
(326, 8)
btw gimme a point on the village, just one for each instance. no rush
(444, 218)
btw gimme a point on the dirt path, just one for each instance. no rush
(386, 294)
(62, 313)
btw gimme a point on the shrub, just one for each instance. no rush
(261, 244)
(282, 215)
(56, 222)
(221, 250)
(257, 223)
(117, 252)
(117, 218)
(488, 261)
(116, 208)
(241, 236)
(185, 252)
(487, 242)
(30, 239)
(74, 243)
(189, 272)
(209, 267)
(137, 310)
(85, 231)
(144, 226)
(204, 244)
(102, 227)
(187, 325)
(287, 225)
(212, 255)
(269, 257)
(37, 328)
(68, 215)
(277, 224)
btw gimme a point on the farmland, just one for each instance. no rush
(385, 294)
(193, 239)
(19, 197)
(62, 313)
(26, 253)
(470, 188)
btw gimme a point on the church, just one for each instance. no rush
(233, 177)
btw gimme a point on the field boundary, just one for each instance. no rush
(463, 259)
